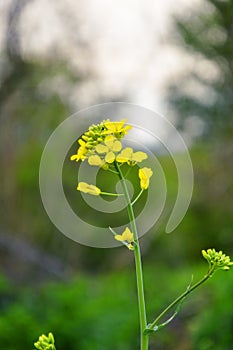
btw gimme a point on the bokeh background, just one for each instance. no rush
(58, 57)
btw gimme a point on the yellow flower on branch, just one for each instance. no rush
(97, 134)
(127, 155)
(144, 176)
(116, 128)
(86, 188)
(110, 146)
(126, 237)
(81, 153)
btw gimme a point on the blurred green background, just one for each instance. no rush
(87, 296)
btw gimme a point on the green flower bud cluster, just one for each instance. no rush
(217, 260)
(45, 342)
(96, 134)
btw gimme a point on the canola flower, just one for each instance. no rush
(86, 188)
(117, 128)
(101, 146)
(94, 190)
(144, 176)
(108, 148)
(127, 238)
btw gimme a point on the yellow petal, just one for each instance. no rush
(144, 176)
(148, 172)
(119, 238)
(139, 156)
(110, 157)
(115, 126)
(95, 160)
(75, 156)
(127, 127)
(125, 155)
(127, 235)
(120, 159)
(109, 144)
(100, 148)
(86, 188)
(81, 142)
(117, 146)
(109, 138)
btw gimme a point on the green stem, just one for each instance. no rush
(144, 340)
(138, 196)
(112, 194)
(112, 171)
(177, 300)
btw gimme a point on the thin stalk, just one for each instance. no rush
(112, 171)
(138, 196)
(144, 340)
(112, 194)
(177, 300)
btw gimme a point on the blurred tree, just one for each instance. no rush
(207, 91)
(202, 99)
(29, 111)
(34, 99)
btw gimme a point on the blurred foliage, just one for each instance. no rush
(209, 219)
(101, 313)
(212, 327)
(29, 113)
(205, 93)
(208, 35)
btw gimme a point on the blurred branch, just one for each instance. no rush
(15, 66)
(24, 250)
(12, 41)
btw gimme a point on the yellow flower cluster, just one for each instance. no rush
(101, 146)
(97, 134)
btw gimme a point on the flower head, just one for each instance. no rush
(109, 148)
(144, 176)
(117, 128)
(217, 260)
(127, 238)
(86, 188)
(96, 135)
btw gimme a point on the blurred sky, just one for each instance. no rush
(124, 47)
